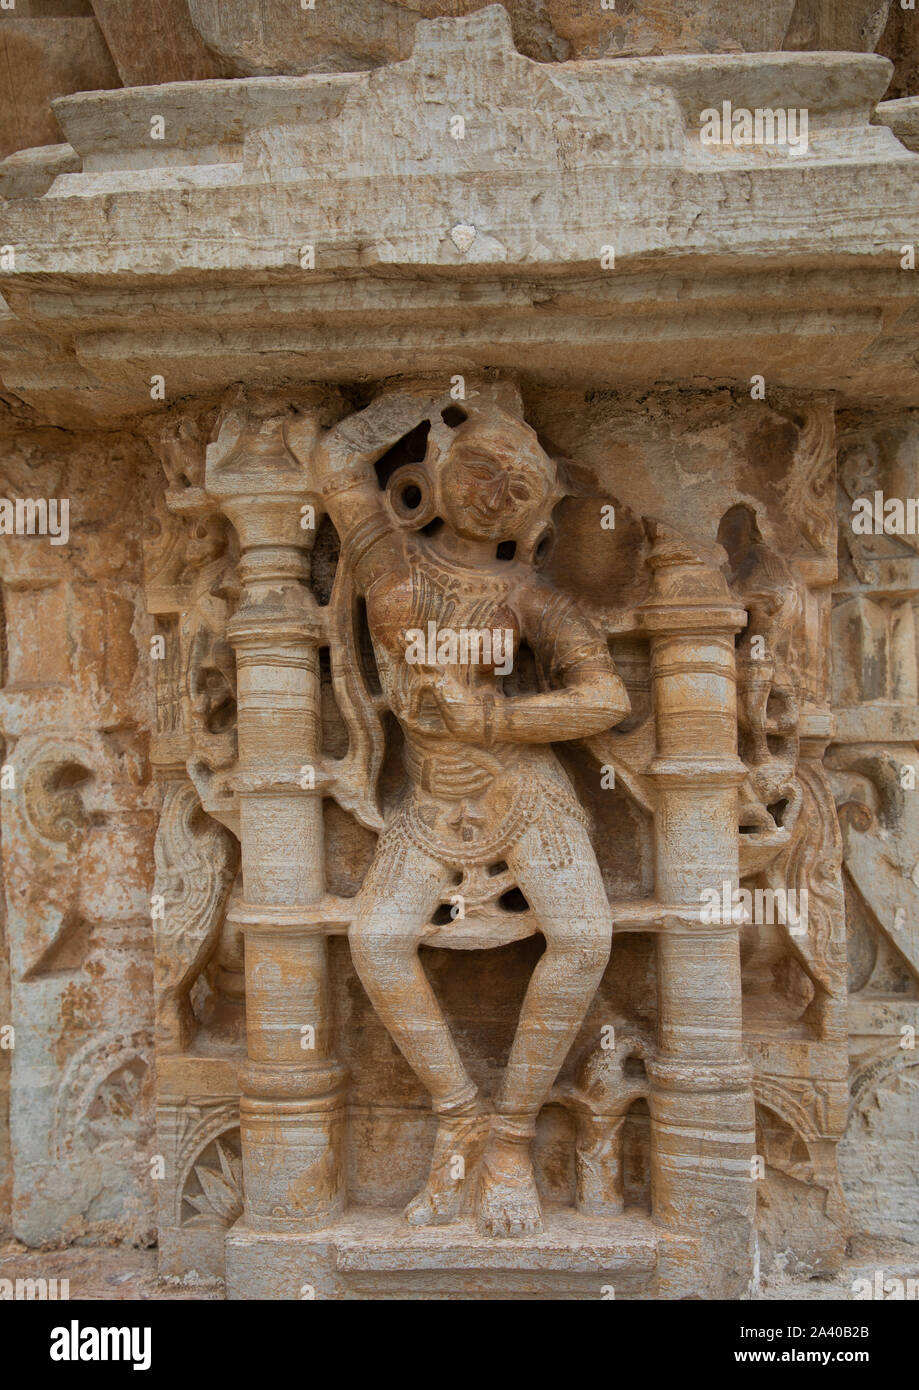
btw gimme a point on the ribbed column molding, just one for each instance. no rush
(701, 1097)
(291, 1109)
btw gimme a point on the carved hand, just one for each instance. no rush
(468, 714)
(487, 717)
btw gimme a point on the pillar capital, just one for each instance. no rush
(689, 593)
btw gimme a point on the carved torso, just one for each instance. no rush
(466, 803)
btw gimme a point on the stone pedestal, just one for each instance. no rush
(372, 1255)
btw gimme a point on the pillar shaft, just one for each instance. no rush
(291, 1107)
(701, 1094)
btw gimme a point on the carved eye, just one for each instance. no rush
(410, 497)
(520, 492)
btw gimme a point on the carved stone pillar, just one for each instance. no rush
(701, 1098)
(291, 1107)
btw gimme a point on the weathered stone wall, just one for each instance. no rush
(167, 674)
(78, 822)
(6, 1057)
(874, 765)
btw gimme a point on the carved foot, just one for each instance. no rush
(457, 1149)
(508, 1203)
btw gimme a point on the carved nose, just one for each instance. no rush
(496, 492)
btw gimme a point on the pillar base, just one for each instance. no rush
(372, 1254)
(293, 1161)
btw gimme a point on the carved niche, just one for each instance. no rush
(468, 706)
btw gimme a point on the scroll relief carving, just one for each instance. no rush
(191, 586)
(195, 869)
(792, 844)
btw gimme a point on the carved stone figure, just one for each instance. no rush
(377, 787)
(484, 786)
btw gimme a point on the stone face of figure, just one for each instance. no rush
(483, 786)
(492, 482)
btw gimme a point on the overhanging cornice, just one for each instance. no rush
(182, 257)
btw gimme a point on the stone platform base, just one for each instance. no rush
(184, 1250)
(372, 1254)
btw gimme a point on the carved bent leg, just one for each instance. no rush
(399, 894)
(574, 916)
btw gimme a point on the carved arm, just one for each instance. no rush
(340, 465)
(587, 697)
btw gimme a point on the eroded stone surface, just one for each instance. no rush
(322, 368)
(43, 58)
(274, 37)
(74, 709)
(246, 185)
